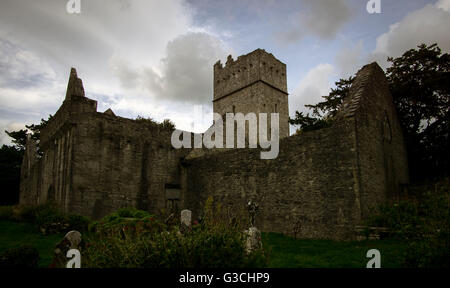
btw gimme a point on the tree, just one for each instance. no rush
(419, 81)
(333, 101)
(420, 84)
(20, 136)
(10, 162)
(323, 112)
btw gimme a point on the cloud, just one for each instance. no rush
(29, 88)
(427, 25)
(137, 31)
(184, 74)
(321, 18)
(20, 68)
(444, 5)
(187, 69)
(9, 126)
(311, 88)
(315, 84)
(40, 41)
(349, 59)
(178, 88)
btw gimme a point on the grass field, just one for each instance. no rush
(15, 234)
(285, 252)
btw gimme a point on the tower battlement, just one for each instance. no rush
(247, 70)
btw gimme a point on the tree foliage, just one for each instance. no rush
(20, 136)
(420, 84)
(419, 81)
(11, 161)
(323, 112)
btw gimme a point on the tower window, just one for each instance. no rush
(276, 108)
(234, 109)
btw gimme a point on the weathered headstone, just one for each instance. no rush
(186, 217)
(72, 240)
(253, 240)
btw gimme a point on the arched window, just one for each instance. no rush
(387, 133)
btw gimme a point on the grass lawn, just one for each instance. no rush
(15, 234)
(287, 252)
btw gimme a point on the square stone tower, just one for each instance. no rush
(255, 82)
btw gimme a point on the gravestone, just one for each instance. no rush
(253, 240)
(186, 217)
(72, 240)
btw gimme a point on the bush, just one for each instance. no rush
(424, 222)
(77, 222)
(6, 212)
(23, 213)
(126, 221)
(200, 248)
(430, 252)
(47, 217)
(217, 242)
(402, 219)
(24, 256)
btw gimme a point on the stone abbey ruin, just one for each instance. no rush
(323, 183)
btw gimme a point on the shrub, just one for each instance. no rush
(200, 248)
(22, 213)
(402, 219)
(429, 252)
(47, 217)
(77, 222)
(424, 221)
(48, 214)
(216, 242)
(127, 221)
(6, 212)
(24, 256)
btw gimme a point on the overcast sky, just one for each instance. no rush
(154, 58)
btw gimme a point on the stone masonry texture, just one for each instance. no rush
(322, 184)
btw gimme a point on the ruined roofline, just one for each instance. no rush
(358, 88)
(247, 70)
(75, 85)
(231, 61)
(74, 103)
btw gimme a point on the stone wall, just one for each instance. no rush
(382, 157)
(308, 191)
(95, 163)
(323, 182)
(130, 162)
